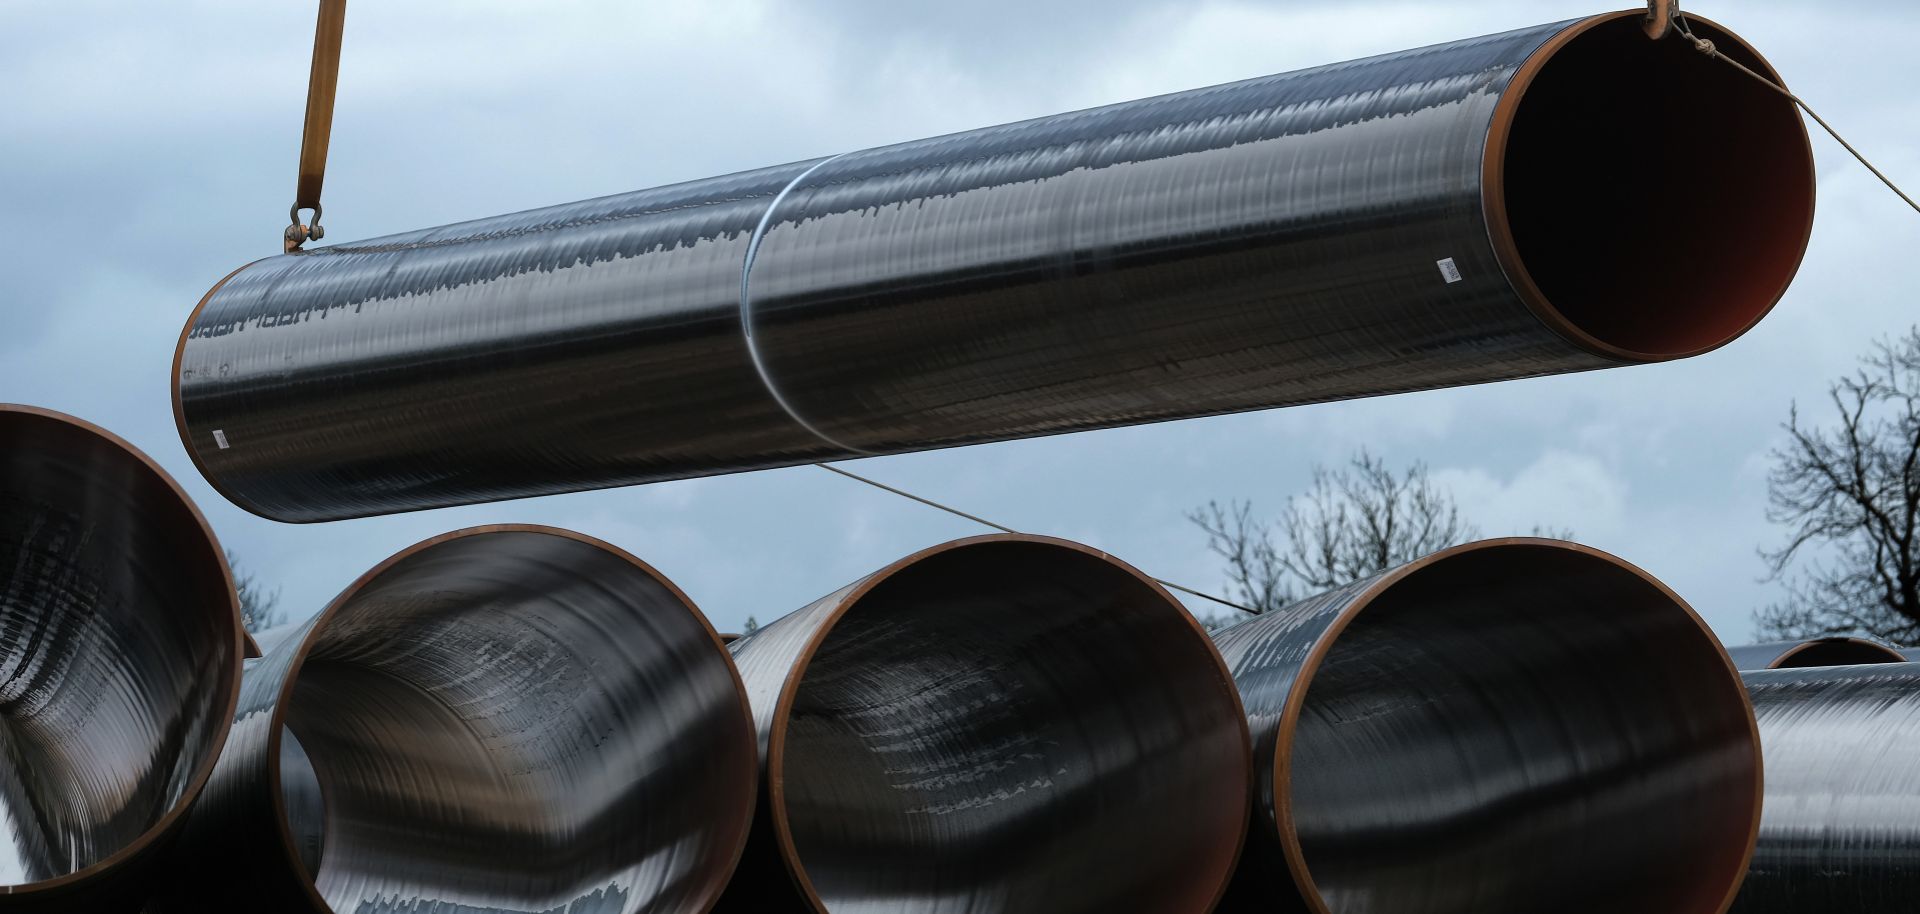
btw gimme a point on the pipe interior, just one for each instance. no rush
(1658, 198)
(1524, 729)
(1015, 726)
(1839, 652)
(521, 717)
(118, 667)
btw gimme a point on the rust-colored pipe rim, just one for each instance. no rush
(289, 846)
(1288, 725)
(228, 702)
(180, 410)
(1658, 243)
(790, 690)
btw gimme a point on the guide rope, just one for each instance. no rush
(1003, 528)
(1676, 23)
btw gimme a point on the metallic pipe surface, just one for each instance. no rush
(1842, 826)
(1786, 655)
(120, 653)
(500, 720)
(268, 639)
(997, 725)
(1560, 198)
(1506, 727)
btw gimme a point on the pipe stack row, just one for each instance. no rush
(519, 718)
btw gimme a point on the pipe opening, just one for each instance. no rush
(522, 716)
(1838, 652)
(1521, 729)
(1648, 201)
(1013, 724)
(120, 664)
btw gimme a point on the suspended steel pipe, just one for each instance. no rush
(1506, 727)
(1842, 824)
(1787, 655)
(1000, 725)
(1560, 198)
(511, 718)
(120, 650)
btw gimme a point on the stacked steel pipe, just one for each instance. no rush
(502, 719)
(998, 724)
(1560, 198)
(1507, 727)
(1842, 824)
(120, 652)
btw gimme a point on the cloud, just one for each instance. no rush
(1558, 490)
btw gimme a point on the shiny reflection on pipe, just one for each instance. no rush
(1558, 198)
(120, 652)
(1841, 832)
(1507, 727)
(1787, 655)
(1000, 725)
(508, 720)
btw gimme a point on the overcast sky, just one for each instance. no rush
(148, 149)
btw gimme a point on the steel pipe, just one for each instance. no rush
(1000, 725)
(501, 719)
(1559, 198)
(1506, 727)
(120, 650)
(1842, 824)
(1787, 655)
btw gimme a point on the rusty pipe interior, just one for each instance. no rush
(1005, 724)
(1645, 200)
(1507, 727)
(120, 653)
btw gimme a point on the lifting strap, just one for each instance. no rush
(321, 83)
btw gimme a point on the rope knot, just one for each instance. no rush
(1704, 46)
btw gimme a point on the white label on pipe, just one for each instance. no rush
(220, 438)
(1449, 271)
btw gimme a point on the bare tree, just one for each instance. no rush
(1255, 574)
(1362, 519)
(1356, 520)
(259, 607)
(1851, 495)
